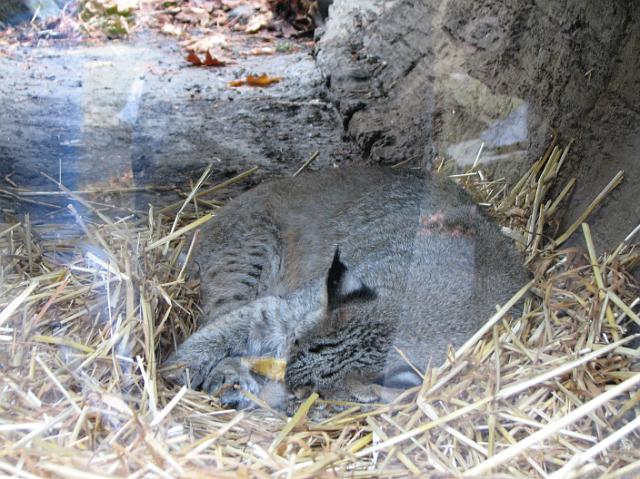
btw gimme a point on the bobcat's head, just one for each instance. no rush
(342, 344)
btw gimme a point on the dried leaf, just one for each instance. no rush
(194, 59)
(262, 80)
(258, 22)
(194, 15)
(210, 61)
(169, 29)
(256, 80)
(211, 42)
(208, 5)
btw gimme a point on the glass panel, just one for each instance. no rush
(298, 238)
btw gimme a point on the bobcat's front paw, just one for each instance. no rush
(187, 367)
(228, 380)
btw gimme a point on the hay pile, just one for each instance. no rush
(85, 310)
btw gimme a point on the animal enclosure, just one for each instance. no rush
(127, 125)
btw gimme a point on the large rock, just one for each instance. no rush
(438, 78)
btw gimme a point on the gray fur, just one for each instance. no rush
(419, 268)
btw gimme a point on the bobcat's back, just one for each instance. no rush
(437, 265)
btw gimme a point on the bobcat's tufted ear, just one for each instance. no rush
(343, 286)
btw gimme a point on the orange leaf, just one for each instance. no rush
(237, 83)
(262, 80)
(210, 61)
(194, 59)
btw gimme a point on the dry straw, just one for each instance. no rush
(88, 309)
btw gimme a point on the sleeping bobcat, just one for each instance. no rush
(338, 271)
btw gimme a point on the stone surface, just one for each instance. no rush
(138, 111)
(428, 79)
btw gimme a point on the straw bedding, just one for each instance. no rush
(88, 308)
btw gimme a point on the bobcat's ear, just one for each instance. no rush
(343, 286)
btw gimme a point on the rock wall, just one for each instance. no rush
(419, 80)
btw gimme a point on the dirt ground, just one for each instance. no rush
(136, 113)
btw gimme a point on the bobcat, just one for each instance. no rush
(339, 271)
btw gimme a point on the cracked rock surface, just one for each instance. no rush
(424, 80)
